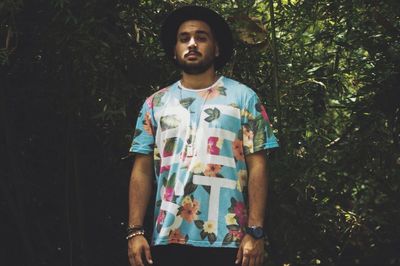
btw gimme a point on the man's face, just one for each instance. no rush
(195, 48)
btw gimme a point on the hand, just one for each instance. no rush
(251, 252)
(137, 246)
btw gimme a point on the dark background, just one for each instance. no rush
(74, 73)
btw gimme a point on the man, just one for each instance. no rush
(204, 139)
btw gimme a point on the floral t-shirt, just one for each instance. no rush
(199, 139)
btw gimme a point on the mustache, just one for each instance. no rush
(192, 52)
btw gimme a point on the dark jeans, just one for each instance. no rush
(184, 255)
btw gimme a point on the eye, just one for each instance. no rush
(184, 39)
(202, 38)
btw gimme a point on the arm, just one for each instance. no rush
(140, 188)
(252, 250)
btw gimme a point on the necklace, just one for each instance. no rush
(190, 151)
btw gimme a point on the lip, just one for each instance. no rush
(192, 54)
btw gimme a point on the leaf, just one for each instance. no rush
(203, 234)
(233, 201)
(179, 211)
(169, 121)
(157, 98)
(189, 188)
(222, 91)
(234, 105)
(259, 131)
(186, 102)
(227, 239)
(246, 150)
(137, 132)
(233, 227)
(171, 181)
(164, 181)
(212, 114)
(170, 145)
(159, 226)
(199, 224)
(207, 188)
(212, 238)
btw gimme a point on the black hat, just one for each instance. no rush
(218, 26)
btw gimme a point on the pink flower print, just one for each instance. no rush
(264, 113)
(176, 237)
(212, 147)
(237, 235)
(149, 101)
(212, 170)
(241, 212)
(161, 217)
(169, 193)
(165, 168)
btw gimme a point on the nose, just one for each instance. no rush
(192, 42)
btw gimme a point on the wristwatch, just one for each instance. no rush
(256, 232)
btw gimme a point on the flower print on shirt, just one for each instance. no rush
(231, 124)
(214, 145)
(189, 209)
(160, 220)
(208, 229)
(248, 139)
(212, 170)
(236, 220)
(176, 237)
(242, 180)
(237, 146)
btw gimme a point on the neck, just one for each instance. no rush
(199, 81)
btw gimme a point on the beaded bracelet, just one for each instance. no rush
(133, 229)
(137, 233)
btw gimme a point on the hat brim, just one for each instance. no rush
(218, 25)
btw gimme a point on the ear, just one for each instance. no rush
(216, 50)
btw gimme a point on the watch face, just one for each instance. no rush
(258, 232)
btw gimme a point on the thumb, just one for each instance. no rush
(239, 255)
(148, 255)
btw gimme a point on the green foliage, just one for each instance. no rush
(75, 74)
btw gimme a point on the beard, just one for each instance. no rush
(195, 68)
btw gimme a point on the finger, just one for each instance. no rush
(261, 259)
(131, 259)
(148, 255)
(138, 259)
(251, 261)
(239, 255)
(257, 261)
(246, 257)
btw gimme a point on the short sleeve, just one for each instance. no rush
(256, 127)
(143, 139)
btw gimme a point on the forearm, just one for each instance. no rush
(258, 188)
(140, 189)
